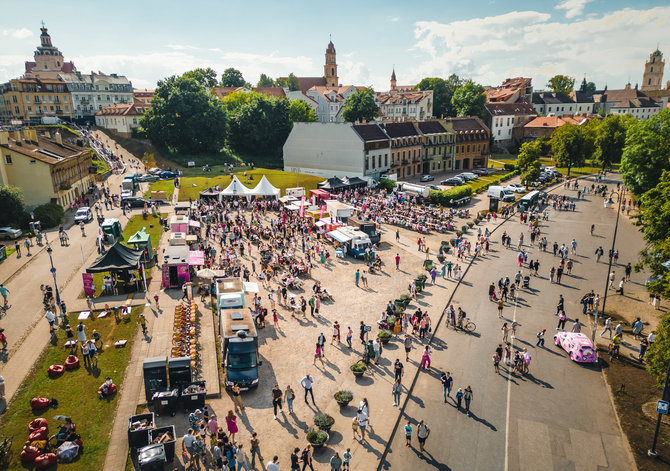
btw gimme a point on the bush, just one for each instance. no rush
(444, 197)
(317, 437)
(464, 228)
(459, 233)
(344, 396)
(49, 215)
(471, 224)
(323, 421)
(509, 167)
(386, 184)
(359, 367)
(385, 335)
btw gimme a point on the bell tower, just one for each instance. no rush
(653, 72)
(330, 67)
(393, 80)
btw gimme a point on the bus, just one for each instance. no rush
(529, 200)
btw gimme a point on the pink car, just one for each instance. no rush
(579, 346)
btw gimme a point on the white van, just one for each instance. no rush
(501, 193)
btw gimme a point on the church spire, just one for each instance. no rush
(393, 79)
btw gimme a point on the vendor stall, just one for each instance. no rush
(121, 262)
(328, 224)
(339, 210)
(175, 266)
(178, 238)
(142, 241)
(318, 196)
(209, 194)
(332, 185)
(297, 192)
(265, 188)
(236, 188)
(196, 257)
(354, 182)
(182, 207)
(111, 228)
(179, 223)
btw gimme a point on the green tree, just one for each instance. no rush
(609, 141)
(443, 90)
(569, 146)
(205, 77)
(265, 81)
(561, 83)
(529, 161)
(301, 111)
(587, 86)
(232, 78)
(360, 106)
(11, 202)
(469, 100)
(49, 214)
(184, 117)
(293, 84)
(658, 354)
(646, 152)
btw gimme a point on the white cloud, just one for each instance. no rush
(393, 19)
(572, 8)
(20, 33)
(610, 48)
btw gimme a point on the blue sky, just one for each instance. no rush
(608, 40)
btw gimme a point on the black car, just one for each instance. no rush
(134, 202)
(166, 175)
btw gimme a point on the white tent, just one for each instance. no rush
(265, 188)
(235, 189)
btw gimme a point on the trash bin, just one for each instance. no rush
(179, 371)
(193, 396)
(155, 376)
(138, 429)
(168, 441)
(165, 402)
(152, 458)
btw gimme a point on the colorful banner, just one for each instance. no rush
(302, 207)
(89, 289)
(323, 210)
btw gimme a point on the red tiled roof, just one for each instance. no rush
(305, 83)
(271, 91)
(545, 122)
(123, 109)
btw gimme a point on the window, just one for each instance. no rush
(386, 160)
(8, 159)
(380, 160)
(27, 98)
(468, 148)
(498, 132)
(14, 99)
(373, 161)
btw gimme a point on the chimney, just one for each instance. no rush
(59, 138)
(4, 138)
(627, 87)
(26, 135)
(16, 135)
(33, 135)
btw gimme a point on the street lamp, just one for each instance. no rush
(619, 198)
(53, 272)
(652, 452)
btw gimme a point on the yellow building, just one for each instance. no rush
(33, 99)
(46, 169)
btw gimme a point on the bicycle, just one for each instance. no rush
(469, 325)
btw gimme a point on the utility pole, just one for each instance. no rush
(652, 451)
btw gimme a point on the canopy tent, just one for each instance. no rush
(209, 193)
(235, 189)
(265, 188)
(332, 184)
(118, 257)
(339, 236)
(354, 182)
(196, 257)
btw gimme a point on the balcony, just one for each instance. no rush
(64, 186)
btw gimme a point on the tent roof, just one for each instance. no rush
(209, 192)
(354, 181)
(333, 183)
(139, 237)
(118, 257)
(265, 188)
(236, 188)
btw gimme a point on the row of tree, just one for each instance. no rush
(186, 117)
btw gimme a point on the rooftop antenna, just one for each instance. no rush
(43, 24)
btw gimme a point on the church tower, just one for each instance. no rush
(330, 68)
(653, 72)
(49, 61)
(393, 80)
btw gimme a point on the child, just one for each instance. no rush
(347, 457)
(275, 319)
(354, 427)
(459, 398)
(156, 299)
(408, 434)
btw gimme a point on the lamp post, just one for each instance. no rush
(652, 452)
(619, 196)
(53, 272)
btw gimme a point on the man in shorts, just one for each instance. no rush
(408, 346)
(362, 419)
(422, 432)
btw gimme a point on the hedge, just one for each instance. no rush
(49, 214)
(444, 197)
(386, 184)
(509, 167)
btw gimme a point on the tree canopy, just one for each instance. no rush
(646, 152)
(232, 78)
(185, 117)
(291, 82)
(301, 111)
(469, 99)
(360, 106)
(569, 146)
(587, 86)
(609, 140)
(443, 90)
(11, 202)
(265, 81)
(561, 83)
(658, 355)
(529, 161)
(205, 77)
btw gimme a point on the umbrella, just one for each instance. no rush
(206, 273)
(60, 417)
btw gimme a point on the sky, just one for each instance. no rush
(607, 41)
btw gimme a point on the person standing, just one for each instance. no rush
(237, 398)
(241, 458)
(408, 346)
(446, 381)
(350, 334)
(255, 450)
(231, 424)
(4, 291)
(357, 276)
(422, 433)
(560, 307)
(143, 323)
(496, 362)
(347, 459)
(318, 353)
(321, 340)
(500, 308)
(336, 462)
(307, 382)
(187, 445)
(425, 358)
(289, 396)
(81, 332)
(295, 460)
(396, 391)
(307, 458)
(397, 261)
(408, 434)
(274, 464)
(398, 369)
(540, 338)
(276, 400)
(362, 419)
(467, 395)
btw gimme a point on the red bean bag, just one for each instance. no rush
(37, 424)
(39, 403)
(41, 434)
(55, 370)
(71, 362)
(46, 460)
(79, 442)
(29, 454)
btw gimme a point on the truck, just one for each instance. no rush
(359, 241)
(369, 227)
(130, 183)
(418, 190)
(501, 193)
(51, 120)
(239, 348)
(158, 197)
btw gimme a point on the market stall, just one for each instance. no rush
(339, 210)
(318, 196)
(176, 266)
(142, 241)
(265, 188)
(332, 185)
(179, 223)
(236, 188)
(121, 262)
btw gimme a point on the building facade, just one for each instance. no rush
(91, 93)
(626, 101)
(404, 103)
(472, 146)
(49, 61)
(438, 146)
(512, 90)
(553, 103)
(143, 96)
(506, 122)
(329, 102)
(406, 148)
(121, 118)
(32, 99)
(45, 168)
(652, 79)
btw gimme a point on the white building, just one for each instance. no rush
(583, 102)
(93, 92)
(330, 101)
(506, 121)
(627, 101)
(556, 103)
(402, 103)
(121, 118)
(337, 149)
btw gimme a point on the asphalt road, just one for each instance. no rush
(559, 416)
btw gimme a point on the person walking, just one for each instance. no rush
(143, 323)
(357, 276)
(505, 332)
(307, 382)
(561, 321)
(396, 391)
(335, 462)
(4, 291)
(241, 458)
(362, 419)
(459, 398)
(276, 400)
(347, 459)
(274, 464)
(318, 354)
(540, 338)
(467, 395)
(350, 334)
(446, 380)
(397, 261)
(231, 424)
(289, 396)
(187, 445)
(577, 326)
(398, 369)
(321, 340)
(407, 342)
(255, 450)
(237, 398)
(500, 308)
(560, 307)
(408, 434)
(425, 358)
(608, 327)
(422, 433)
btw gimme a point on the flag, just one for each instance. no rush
(302, 206)
(323, 210)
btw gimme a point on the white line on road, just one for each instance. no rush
(509, 389)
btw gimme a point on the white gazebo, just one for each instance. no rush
(265, 188)
(235, 189)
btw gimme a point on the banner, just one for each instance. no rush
(323, 210)
(89, 289)
(302, 207)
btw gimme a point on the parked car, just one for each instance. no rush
(166, 175)
(579, 346)
(435, 187)
(154, 170)
(427, 178)
(148, 178)
(453, 181)
(134, 201)
(467, 176)
(516, 187)
(481, 171)
(9, 233)
(83, 214)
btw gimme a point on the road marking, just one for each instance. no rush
(509, 388)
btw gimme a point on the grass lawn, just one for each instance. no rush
(76, 392)
(163, 185)
(10, 250)
(191, 187)
(499, 160)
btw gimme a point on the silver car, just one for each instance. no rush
(9, 233)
